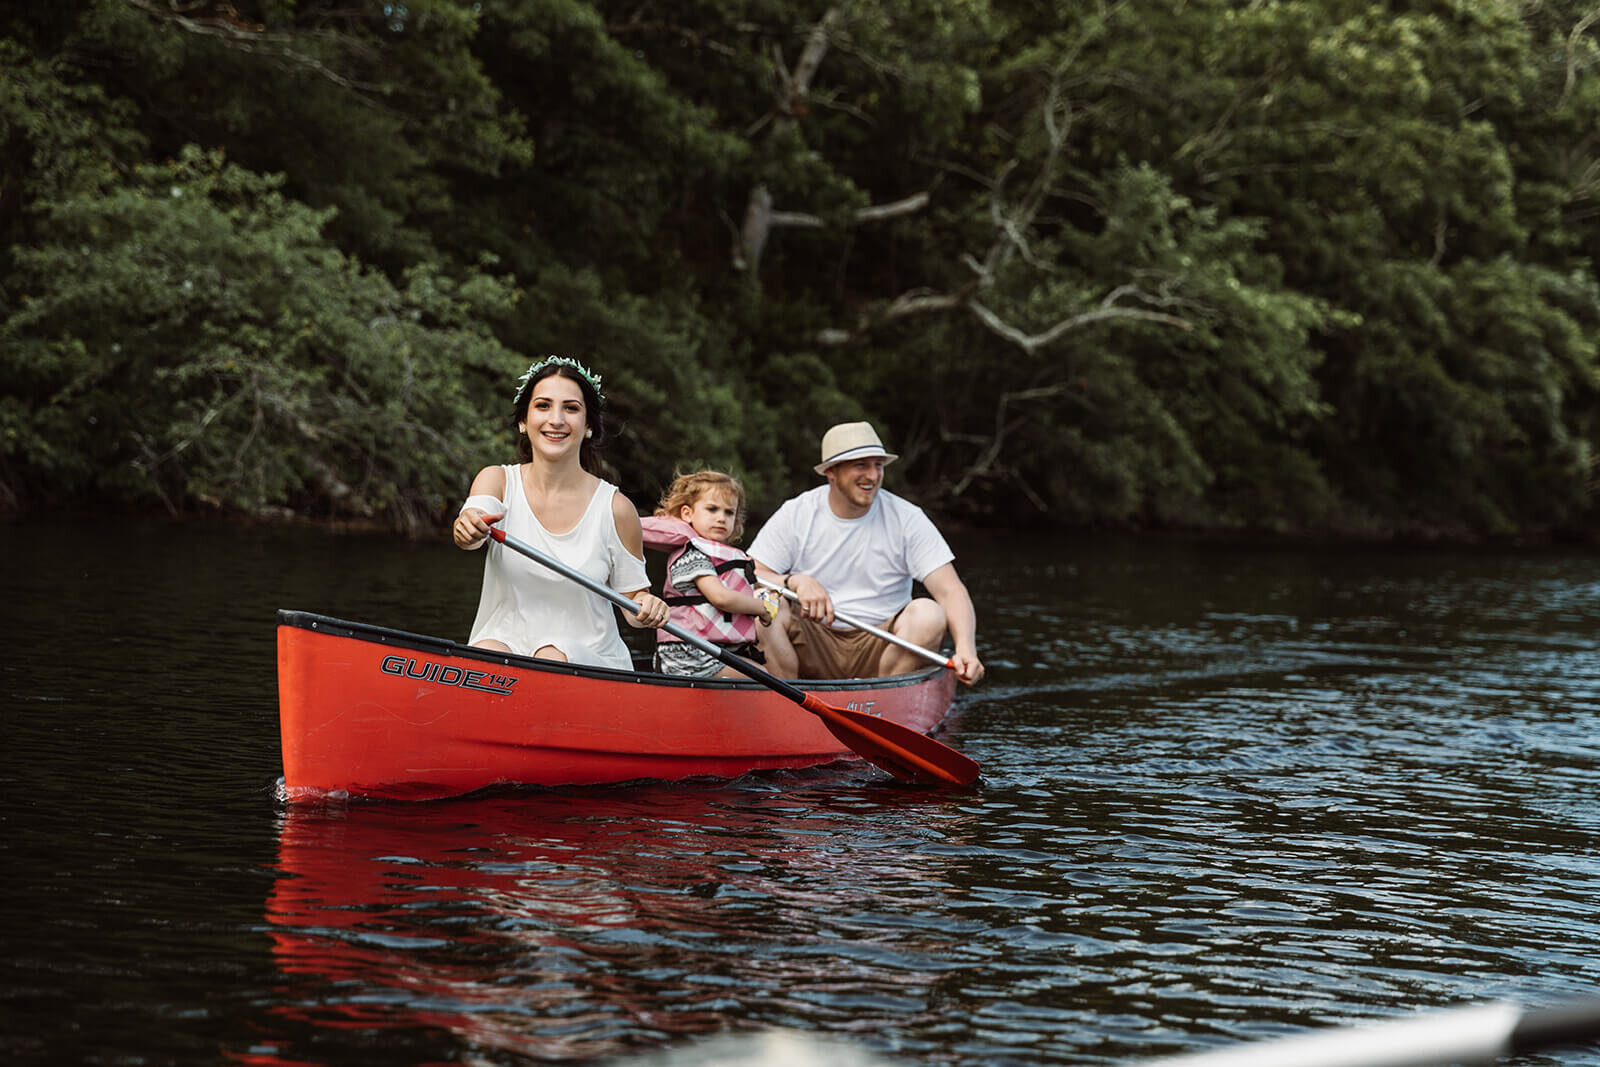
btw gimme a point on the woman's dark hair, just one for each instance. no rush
(593, 411)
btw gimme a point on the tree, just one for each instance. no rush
(1301, 264)
(187, 333)
(372, 109)
(1394, 160)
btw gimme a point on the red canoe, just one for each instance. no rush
(368, 711)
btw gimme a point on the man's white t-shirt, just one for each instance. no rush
(866, 564)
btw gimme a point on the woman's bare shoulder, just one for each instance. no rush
(623, 511)
(491, 480)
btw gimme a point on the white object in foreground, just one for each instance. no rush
(1477, 1034)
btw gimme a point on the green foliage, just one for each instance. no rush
(56, 137)
(1307, 264)
(615, 145)
(1195, 369)
(671, 403)
(187, 334)
(368, 112)
(1385, 156)
(1482, 429)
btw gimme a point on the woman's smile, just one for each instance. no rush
(556, 413)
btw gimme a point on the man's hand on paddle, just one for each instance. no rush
(968, 667)
(946, 586)
(815, 603)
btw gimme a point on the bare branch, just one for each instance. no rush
(894, 209)
(637, 25)
(793, 94)
(834, 101)
(1031, 343)
(913, 302)
(1573, 38)
(985, 461)
(798, 219)
(794, 86)
(219, 26)
(811, 58)
(1013, 221)
(920, 303)
(233, 32)
(927, 301)
(760, 218)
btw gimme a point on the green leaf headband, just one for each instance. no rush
(566, 361)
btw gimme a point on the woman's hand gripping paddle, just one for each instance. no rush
(900, 750)
(894, 639)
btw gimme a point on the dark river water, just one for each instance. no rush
(1229, 792)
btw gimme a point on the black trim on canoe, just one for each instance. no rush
(382, 635)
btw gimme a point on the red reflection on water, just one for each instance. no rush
(571, 925)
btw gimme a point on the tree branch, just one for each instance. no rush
(909, 205)
(760, 218)
(1573, 38)
(1012, 222)
(986, 460)
(794, 87)
(233, 32)
(1031, 343)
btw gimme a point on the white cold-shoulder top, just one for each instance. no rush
(528, 606)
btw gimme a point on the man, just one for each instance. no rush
(853, 543)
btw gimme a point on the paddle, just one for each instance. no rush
(894, 639)
(900, 750)
(1478, 1033)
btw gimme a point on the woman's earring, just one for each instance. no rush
(522, 428)
(588, 433)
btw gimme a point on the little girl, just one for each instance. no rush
(710, 586)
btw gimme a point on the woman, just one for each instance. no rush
(552, 501)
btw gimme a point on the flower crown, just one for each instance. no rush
(566, 361)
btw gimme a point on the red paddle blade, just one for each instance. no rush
(900, 750)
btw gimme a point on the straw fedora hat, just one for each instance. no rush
(851, 440)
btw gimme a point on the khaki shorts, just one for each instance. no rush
(828, 653)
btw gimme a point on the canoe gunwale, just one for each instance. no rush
(415, 642)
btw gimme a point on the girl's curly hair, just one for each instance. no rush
(686, 489)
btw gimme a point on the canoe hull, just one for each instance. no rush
(372, 712)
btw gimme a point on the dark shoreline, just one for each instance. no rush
(1421, 539)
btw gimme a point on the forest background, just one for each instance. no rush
(1305, 266)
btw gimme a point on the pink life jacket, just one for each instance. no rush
(690, 609)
